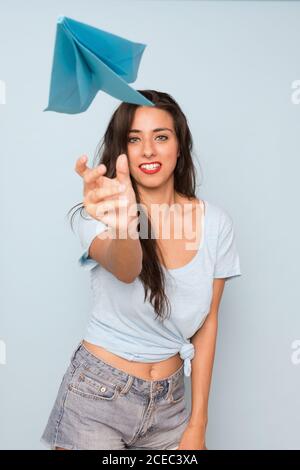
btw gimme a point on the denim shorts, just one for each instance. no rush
(101, 407)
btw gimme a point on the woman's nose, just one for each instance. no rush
(148, 148)
(148, 151)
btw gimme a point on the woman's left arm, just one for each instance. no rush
(204, 341)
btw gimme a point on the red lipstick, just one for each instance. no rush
(150, 170)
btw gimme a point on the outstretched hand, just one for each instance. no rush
(111, 200)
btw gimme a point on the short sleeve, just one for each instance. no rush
(227, 258)
(88, 229)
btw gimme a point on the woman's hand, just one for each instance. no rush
(193, 438)
(104, 198)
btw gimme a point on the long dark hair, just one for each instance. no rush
(114, 143)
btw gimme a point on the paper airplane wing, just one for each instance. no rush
(87, 60)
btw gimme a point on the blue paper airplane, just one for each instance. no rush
(87, 60)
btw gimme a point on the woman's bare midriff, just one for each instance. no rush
(146, 371)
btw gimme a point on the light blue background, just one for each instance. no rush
(230, 65)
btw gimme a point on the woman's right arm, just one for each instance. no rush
(120, 255)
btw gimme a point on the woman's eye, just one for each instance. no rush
(134, 138)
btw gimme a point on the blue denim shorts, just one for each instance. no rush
(101, 407)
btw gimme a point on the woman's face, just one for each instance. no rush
(152, 138)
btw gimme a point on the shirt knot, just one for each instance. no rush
(186, 352)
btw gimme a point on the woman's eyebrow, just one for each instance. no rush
(158, 129)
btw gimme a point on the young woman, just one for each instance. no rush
(158, 258)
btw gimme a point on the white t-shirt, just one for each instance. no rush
(121, 322)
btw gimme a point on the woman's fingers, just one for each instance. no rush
(89, 175)
(96, 195)
(80, 166)
(93, 174)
